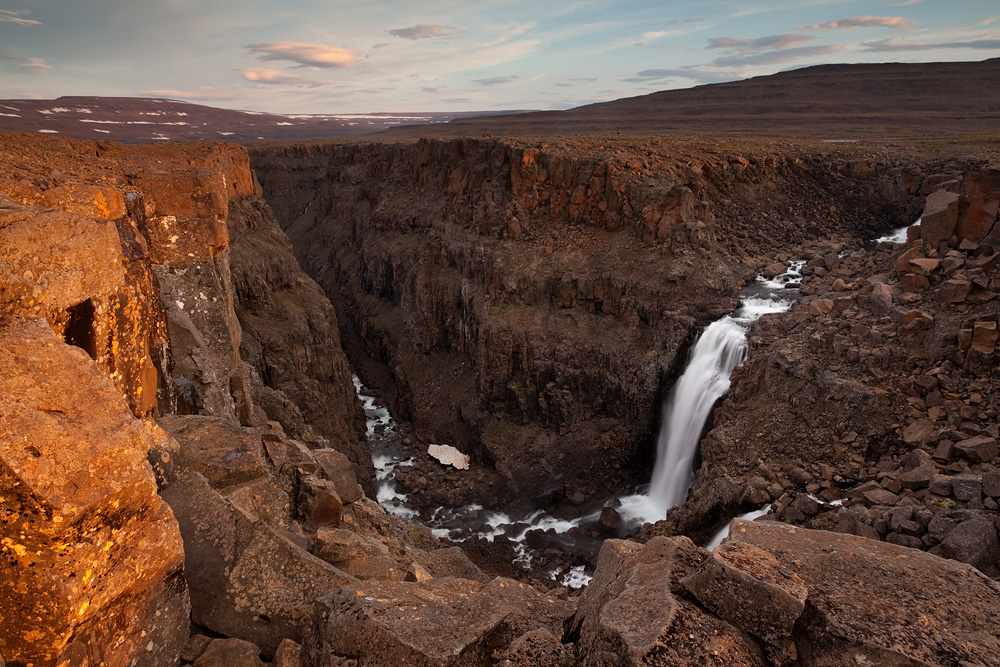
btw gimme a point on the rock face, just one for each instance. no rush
(92, 559)
(125, 253)
(866, 600)
(635, 611)
(290, 338)
(159, 303)
(440, 622)
(776, 594)
(528, 302)
(247, 580)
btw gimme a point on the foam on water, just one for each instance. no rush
(724, 533)
(897, 236)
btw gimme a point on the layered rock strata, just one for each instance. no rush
(529, 302)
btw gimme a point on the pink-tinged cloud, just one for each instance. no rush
(761, 43)
(269, 76)
(14, 16)
(303, 53)
(424, 31)
(897, 22)
(775, 57)
(201, 93)
(34, 64)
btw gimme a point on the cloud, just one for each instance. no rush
(308, 55)
(424, 31)
(699, 75)
(897, 22)
(495, 80)
(774, 57)
(14, 16)
(269, 76)
(905, 3)
(759, 44)
(34, 64)
(202, 93)
(988, 21)
(884, 45)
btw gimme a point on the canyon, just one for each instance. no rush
(184, 471)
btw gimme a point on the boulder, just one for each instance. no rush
(979, 449)
(984, 337)
(920, 433)
(954, 290)
(940, 216)
(264, 499)
(751, 589)
(289, 654)
(230, 653)
(90, 558)
(247, 580)
(224, 452)
(319, 503)
(337, 468)
(634, 612)
(967, 486)
(973, 541)
(436, 623)
(538, 648)
(453, 562)
(869, 602)
(359, 556)
(881, 299)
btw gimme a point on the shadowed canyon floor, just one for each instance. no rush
(184, 467)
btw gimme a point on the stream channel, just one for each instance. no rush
(720, 348)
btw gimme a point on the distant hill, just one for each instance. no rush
(827, 101)
(835, 102)
(141, 120)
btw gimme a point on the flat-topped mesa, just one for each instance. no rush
(553, 285)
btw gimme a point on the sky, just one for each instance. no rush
(338, 56)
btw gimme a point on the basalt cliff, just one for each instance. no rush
(184, 476)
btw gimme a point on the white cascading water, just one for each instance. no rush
(720, 348)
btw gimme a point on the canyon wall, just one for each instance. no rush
(139, 283)
(181, 449)
(531, 302)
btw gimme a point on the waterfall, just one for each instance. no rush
(720, 348)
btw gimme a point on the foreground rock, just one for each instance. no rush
(441, 622)
(247, 580)
(869, 602)
(635, 611)
(92, 558)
